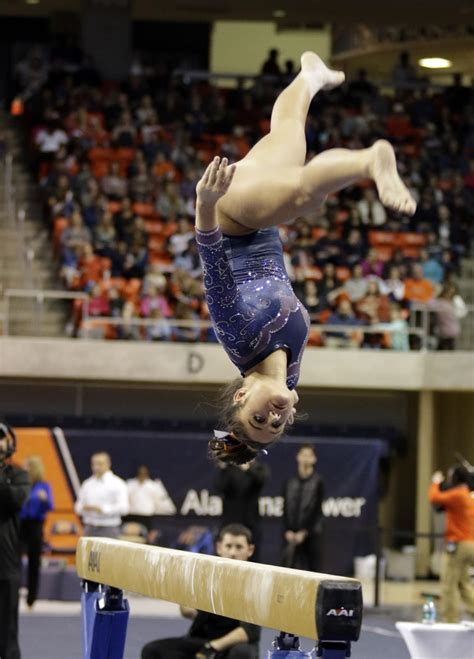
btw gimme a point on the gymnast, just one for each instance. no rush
(259, 321)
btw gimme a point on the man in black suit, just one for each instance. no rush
(303, 516)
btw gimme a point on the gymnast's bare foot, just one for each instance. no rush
(383, 169)
(318, 74)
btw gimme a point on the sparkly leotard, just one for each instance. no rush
(251, 302)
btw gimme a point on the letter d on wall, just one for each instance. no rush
(195, 362)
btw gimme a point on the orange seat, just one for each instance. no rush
(154, 227)
(169, 228)
(382, 238)
(157, 244)
(142, 209)
(411, 252)
(407, 239)
(114, 206)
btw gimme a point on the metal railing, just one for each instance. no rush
(89, 325)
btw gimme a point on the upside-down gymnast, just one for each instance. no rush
(259, 321)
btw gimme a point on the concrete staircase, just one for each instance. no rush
(26, 257)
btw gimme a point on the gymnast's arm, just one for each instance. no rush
(213, 185)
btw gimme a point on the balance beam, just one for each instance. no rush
(318, 606)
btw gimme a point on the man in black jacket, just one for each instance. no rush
(212, 636)
(303, 516)
(14, 489)
(240, 487)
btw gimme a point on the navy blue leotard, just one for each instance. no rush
(251, 302)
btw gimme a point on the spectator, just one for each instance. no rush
(356, 285)
(102, 500)
(404, 73)
(449, 308)
(240, 487)
(270, 67)
(458, 559)
(372, 265)
(398, 328)
(211, 635)
(32, 516)
(14, 490)
(344, 315)
(373, 307)
(147, 498)
(303, 517)
(432, 268)
(371, 210)
(417, 288)
(114, 185)
(393, 286)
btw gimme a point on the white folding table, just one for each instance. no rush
(438, 641)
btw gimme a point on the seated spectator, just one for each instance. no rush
(311, 298)
(354, 248)
(105, 234)
(73, 239)
(211, 635)
(98, 304)
(124, 133)
(141, 184)
(169, 204)
(398, 327)
(180, 240)
(373, 307)
(356, 285)
(449, 308)
(328, 286)
(393, 286)
(160, 330)
(372, 265)
(344, 315)
(91, 268)
(417, 287)
(371, 209)
(123, 218)
(114, 185)
(432, 268)
(49, 140)
(155, 298)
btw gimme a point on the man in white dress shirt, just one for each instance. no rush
(147, 498)
(102, 499)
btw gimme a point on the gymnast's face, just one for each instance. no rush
(234, 546)
(265, 409)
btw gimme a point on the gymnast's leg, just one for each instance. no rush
(273, 165)
(271, 186)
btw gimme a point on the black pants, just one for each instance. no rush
(31, 533)
(9, 648)
(186, 647)
(306, 556)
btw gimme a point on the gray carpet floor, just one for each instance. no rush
(59, 637)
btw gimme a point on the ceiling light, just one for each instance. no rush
(279, 13)
(32, 2)
(435, 63)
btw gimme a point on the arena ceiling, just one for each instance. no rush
(296, 12)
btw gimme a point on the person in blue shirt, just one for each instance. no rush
(32, 518)
(257, 318)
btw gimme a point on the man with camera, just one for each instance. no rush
(14, 490)
(457, 500)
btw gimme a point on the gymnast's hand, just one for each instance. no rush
(215, 181)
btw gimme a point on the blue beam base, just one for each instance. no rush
(287, 646)
(104, 622)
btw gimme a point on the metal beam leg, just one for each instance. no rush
(287, 646)
(104, 622)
